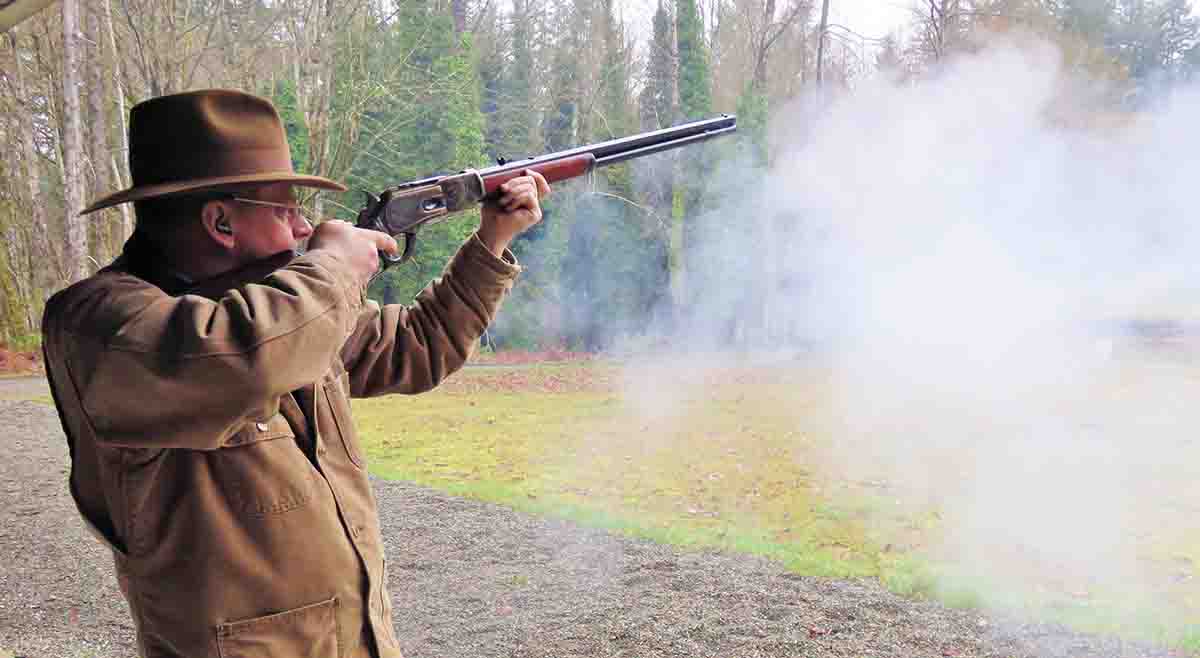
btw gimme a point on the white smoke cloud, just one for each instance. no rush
(971, 256)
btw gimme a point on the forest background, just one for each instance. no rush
(377, 92)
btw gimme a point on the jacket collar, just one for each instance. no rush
(141, 258)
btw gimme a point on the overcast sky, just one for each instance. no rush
(872, 18)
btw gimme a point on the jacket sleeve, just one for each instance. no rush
(410, 349)
(159, 371)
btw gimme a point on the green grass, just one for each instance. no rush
(730, 460)
(702, 477)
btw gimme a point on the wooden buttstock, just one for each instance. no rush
(555, 171)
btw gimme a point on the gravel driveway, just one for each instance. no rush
(472, 579)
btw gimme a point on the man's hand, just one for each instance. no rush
(357, 247)
(518, 208)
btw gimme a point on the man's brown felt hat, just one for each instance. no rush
(203, 140)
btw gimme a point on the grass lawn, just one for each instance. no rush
(734, 457)
(715, 469)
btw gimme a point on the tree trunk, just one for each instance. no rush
(323, 165)
(459, 9)
(762, 47)
(120, 179)
(312, 68)
(14, 280)
(824, 25)
(73, 184)
(29, 158)
(98, 155)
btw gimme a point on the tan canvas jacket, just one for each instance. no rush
(213, 450)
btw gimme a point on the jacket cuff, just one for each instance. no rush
(490, 276)
(477, 252)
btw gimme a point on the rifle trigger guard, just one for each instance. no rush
(410, 241)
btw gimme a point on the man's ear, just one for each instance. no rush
(215, 218)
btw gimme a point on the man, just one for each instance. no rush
(202, 381)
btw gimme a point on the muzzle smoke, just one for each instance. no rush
(988, 265)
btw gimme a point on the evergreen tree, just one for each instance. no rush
(559, 125)
(695, 102)
(617, 117)
(656, 174)
(490, 67)
(1176, 33)
(657, 99)
(519, 128)
(695, 78)
(515, 115)
(283, 95)
(439, 130)
(614, 78)
(753, 111)
(615, 275)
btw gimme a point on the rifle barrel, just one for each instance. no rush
(625, 148)
(622, 156)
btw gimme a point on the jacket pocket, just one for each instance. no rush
(262, 471)
(339, 405)
(307, 632)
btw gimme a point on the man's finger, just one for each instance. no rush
(543, 188)
(519, 186)
(385, 243)
(519, 194)
(528, 196)
(515, 184)
(524, 198)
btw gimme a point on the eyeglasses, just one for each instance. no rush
(282, 211)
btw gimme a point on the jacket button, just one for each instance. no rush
(262, 427)
(321, 450)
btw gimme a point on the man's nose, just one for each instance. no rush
(301, 226)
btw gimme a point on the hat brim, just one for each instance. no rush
(180, 188)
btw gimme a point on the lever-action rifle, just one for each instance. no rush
(405, 208)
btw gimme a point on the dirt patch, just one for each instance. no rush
(523, 357)
(20, 363)
(583, 378)
(473, 579)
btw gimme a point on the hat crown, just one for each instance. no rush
(212, 133)
(200, 141)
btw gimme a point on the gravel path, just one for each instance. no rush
(472, 579)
